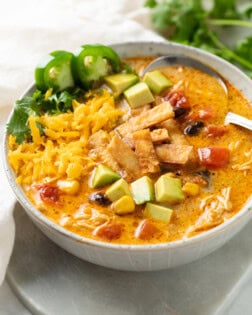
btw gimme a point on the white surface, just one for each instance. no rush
(9, 304)
(7, 201)
(31, 28)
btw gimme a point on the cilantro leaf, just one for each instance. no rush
(37, 105)
(60, 102)
(18, 126)
(243, 48)
(225, 9)
(189, 22)
(55, 104)
(181, 18)
(248, 12)
(150, 3)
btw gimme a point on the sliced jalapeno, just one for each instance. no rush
(55, 71)
(93, 62)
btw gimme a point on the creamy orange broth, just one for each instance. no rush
(202, 91)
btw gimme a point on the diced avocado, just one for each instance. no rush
(124, 205)
(138, 95)
(103, 175)
(120, 81)
(168, 189)
(142, 190)
(119, 189)
(158, 212)
(156, 81)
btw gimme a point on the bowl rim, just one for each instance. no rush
(35, 214)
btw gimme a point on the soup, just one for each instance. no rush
(149, 164)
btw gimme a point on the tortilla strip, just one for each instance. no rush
(145, 151)
(147, 119)
(159, 135)
(125, 157)
(174, 153)
(176, 135)
(139, 110)
(98, 143)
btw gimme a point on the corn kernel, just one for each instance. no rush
(70, 187)
(74, 170)
(124, 205)
(191, 189)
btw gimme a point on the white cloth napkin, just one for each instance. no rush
(30, 29)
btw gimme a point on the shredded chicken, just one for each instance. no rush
(89, 217)
(214, 208)
(246, 166)
(85, 217)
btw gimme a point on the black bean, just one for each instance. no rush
(204, 173)
(179, 111)
(99, 198)
(194, 129)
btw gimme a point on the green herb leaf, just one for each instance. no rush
(243, 48)
(37, 105)
(248, 12)
(60, 102)
(18, 124)
(150, 3)
(187, 22)
(225, 9)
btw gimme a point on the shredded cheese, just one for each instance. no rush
(62, 151)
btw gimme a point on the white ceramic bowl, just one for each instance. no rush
(146, 257)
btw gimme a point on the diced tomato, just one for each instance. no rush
(109, 231)
(202, 114)
(48, 193)
(145, 230)
(206, 113)
(177, 99)
(215, 131)
(213, 157)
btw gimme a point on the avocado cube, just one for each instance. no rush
(120, 81)
(156, 81)
(158, 212)
(142, 190)
(119, 189)
(102, 176)
(168, 189)
(124, 205)
(138, 95)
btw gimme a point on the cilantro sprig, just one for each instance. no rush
(37, 105)
(189, 22)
